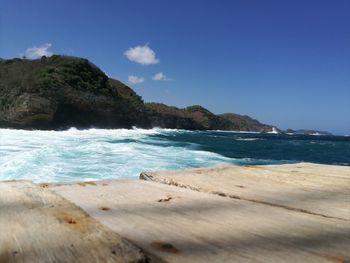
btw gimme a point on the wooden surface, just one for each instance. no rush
(288, 213)
(181, 225)
(37, 225)
(316, 189)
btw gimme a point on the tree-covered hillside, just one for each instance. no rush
(59, 92)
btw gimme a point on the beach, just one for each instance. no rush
(273, 213)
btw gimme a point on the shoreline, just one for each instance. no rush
(50, 156)
(140, 177)
(298, 212)
(219, 166)
(279, 132)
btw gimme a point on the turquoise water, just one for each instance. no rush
(95, 154)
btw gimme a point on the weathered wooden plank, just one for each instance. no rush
(37, 225)
(316, 189)
(181, 225)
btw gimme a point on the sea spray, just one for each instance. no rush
(97, 154)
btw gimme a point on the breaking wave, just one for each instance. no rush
(98, 154)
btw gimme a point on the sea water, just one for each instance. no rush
(98, 154)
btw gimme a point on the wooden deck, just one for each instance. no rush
(282, 216)
(39, 226)
(285, 213)
(311, 188)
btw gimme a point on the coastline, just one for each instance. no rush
(95, 154)
(295, 212)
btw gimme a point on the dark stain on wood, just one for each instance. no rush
(75, 221)
(165, 247)
(335, 259)
(71, 221)
(167, 199)
(219, 193)
(87, 183)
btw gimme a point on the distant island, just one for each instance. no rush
(59, 92)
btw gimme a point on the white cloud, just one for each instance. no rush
(37, 52)
(135, 79)
(160, 76)
(143, 55)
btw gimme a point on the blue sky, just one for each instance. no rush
(283, 62)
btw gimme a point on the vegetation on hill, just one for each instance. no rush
(245, 123)
(197, 117)
(161, 115)
(54, 72)
(64, 91)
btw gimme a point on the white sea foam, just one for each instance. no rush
(317, 134)
(252, 132)
(95, 154)
(274, 131)
(248, 139)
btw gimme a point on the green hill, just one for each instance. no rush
(198, 118)
(59, 92)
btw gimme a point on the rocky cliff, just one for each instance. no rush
(59, 92)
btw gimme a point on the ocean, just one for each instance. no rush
(98, 154)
